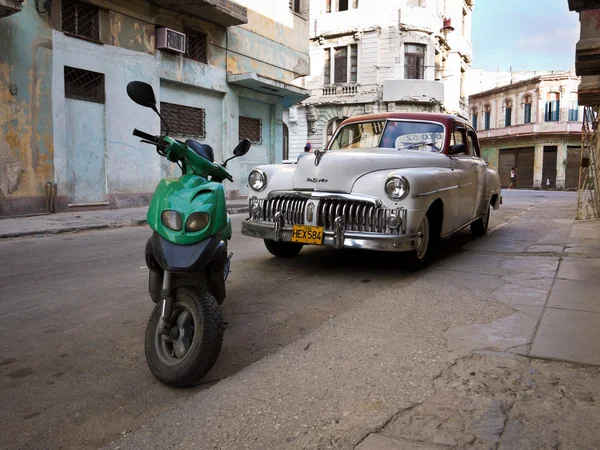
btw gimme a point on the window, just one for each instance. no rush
(527, 109)
(417, 136)
(184, 121)
(327, 77)
(416, 3)
(84, 85)
(574, 108)
(196, 46)
(340, 5)
(358, 135)
(474, 116)
(552, 113)
(473, 144)
(296, 6)
(345, 64)
(414, 58)
(507, 105)
(487, 116)
(81, 20)
(250, 129)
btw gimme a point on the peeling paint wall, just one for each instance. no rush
(26, 144)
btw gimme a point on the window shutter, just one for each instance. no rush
(557, 110)
(340, 65)
(328, 6)
(547, 113)
(327, 68)
(354, 62)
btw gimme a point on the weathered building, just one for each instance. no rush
(534, 126)
(65, 118)
(381, 55)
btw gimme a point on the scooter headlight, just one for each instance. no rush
(257, 180)
(196, 221)
(172, 219)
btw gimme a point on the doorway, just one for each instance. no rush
(522, 160)
(573, 164)
(549, 167)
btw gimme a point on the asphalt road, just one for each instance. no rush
(72, 366)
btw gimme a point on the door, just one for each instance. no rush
(549, 168)
(573, 163)
(506, 161)
(524, 166)
(86, 152)
(481, 169)
(255, 124)
(465, 167)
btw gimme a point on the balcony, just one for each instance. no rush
(345, 90)
(530, 129)
(413, 91)
(220, 12)
(10, 7)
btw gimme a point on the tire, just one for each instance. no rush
(283, 249)
(192, 310)
(480, 226)
(419, 258)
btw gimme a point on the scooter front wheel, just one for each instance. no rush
(188, 354)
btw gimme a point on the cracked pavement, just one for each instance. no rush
(327, 350)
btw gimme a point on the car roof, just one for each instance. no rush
(446, 119)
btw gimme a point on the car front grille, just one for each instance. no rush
(357, 215)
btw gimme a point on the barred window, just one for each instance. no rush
(183, 121)
(250, 129)
(196, 46)
(84, 85)
(81, 20)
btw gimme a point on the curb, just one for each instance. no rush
(75, 229)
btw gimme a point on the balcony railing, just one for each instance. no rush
(347, 89)
(531, 129)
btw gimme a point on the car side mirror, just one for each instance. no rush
(457, 149)
(242, 148)
(142, 93)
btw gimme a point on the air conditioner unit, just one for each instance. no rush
(170, 40)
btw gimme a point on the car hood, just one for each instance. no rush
(338, 170)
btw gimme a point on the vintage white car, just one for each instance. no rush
(387, 182)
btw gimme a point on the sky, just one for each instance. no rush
(524, 34)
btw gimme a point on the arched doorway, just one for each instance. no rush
(286, 142)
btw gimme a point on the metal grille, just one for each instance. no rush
(196, 47)
(183, 120)
(356, 215)
(250, 129)
(80, 19)
(84, 85)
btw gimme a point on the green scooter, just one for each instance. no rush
(186, 254)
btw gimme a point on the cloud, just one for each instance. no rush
(560, 39)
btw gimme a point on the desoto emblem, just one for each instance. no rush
(317, 180)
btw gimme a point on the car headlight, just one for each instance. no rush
(171, 219)
(257, 180)
(397, 188)
(196, 221)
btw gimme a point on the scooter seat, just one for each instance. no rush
(204, 150)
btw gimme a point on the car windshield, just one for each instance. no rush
(358, 135)
(396, 134)
(405, 135)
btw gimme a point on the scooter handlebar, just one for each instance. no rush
(146, 136)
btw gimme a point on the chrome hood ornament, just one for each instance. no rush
(318, 155)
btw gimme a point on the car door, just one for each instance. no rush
(465, 168)
(481, 168)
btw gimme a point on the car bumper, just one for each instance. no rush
(335, 239)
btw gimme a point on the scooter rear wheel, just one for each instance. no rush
(199, 326)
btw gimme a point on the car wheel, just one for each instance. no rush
(283, 249)
(480, 226)
(419, 258)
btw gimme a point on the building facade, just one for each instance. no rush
(534, 126)
(370, 56)
(65, 118)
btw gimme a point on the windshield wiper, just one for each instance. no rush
(418, 144)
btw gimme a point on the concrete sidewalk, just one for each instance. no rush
(88, 220)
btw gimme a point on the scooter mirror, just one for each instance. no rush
(142, 93)
(242, 148)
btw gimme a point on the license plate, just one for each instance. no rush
(305, 234)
